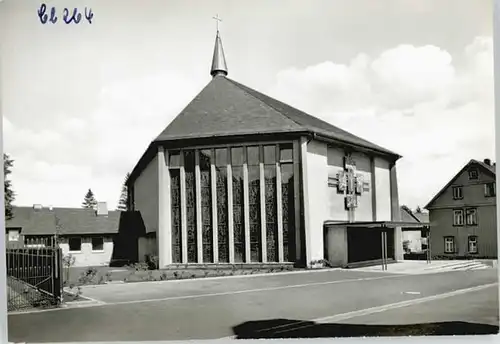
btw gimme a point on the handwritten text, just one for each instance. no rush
(68, 16)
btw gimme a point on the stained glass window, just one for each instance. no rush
(286, 152)
(253, 156)
(254, 210)
(206, 205)
(288, 206)
(271, 218)
(174, 159)
(175, 202)
(270, 154)
(189, 167)
(238, 217)
(237, 156)
(222, 223)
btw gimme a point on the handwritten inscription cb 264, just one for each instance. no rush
(68, 16)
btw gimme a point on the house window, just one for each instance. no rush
(449, 245)
(98, 244)
(489, 190)
(13, 235)
(473, 244)
(458, 217)
(457, 192)
(75, 244)
(473, 174)
(471, 216)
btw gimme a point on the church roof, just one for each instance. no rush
(225, 108)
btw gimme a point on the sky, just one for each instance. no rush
(81, 102)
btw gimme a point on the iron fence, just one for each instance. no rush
(34, 274)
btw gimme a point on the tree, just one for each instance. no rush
(123, 202)
(9, 195)
(89, 201)
(419, 210)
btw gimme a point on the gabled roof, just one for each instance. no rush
(407, 215)
(225, 107)
(485, 167)
(76, 221)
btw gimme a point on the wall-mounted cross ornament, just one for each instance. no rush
(349, 183)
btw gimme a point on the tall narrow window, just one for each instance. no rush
(489, 190)
(458, 217)
(206, 205)
(457, 192)
(189, 167)
(237, 160)
(254, 203)
(471, 217)
(222, 223)
(449, 245)
(288, 201)
(175, 205)
(270, 199)
(473, 244)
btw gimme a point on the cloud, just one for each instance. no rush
(56, 164)
(415, 100)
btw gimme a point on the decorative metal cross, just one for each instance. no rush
(217, 20)
(349, 183)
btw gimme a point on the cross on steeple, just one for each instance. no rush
(217, 20)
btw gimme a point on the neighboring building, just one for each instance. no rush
(416, 236)
(239, 177)
(463, 214)
(86, 234)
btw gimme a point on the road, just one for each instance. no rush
(312, 304)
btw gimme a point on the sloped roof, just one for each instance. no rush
(407, 215)
(225, 107)
(422, 217)
(71, 221)
(488, 168)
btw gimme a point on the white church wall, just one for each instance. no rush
(146, 196)
(383, 189)
(363, 211)
(336, 203)
(336, 206)
(317, 182)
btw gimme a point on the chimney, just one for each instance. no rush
(487, 162)
(37, 206)
(102, 208)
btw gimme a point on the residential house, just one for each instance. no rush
(463, 214)
(86, 234)
(414, 237)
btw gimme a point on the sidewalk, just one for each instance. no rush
(417, 267)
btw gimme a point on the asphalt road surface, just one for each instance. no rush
(313, 304)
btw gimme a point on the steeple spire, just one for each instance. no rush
(219, 66)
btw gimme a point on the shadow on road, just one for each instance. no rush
(284, 328)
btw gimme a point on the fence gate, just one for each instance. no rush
(34, 276)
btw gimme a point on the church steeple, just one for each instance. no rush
(219, 66)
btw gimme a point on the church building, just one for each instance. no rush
(240, 177)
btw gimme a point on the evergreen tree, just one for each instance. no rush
(9, 194)
(123, 202)
(89, 201)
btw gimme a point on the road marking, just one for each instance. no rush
(373, 310)
(411, 292)
(235, 292)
